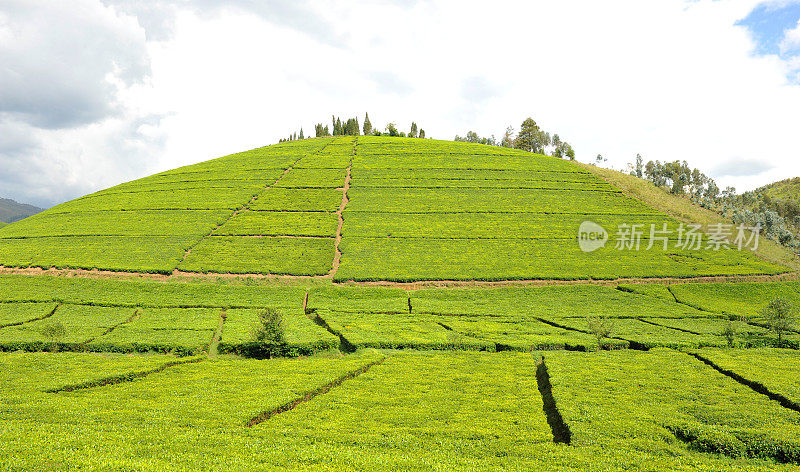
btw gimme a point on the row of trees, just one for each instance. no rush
(530, 138)
(779, 220)
(679, 178)
(350, 127)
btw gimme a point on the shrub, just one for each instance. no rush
(729, 332)
(601, 327)
(269, 339)
(53, 332)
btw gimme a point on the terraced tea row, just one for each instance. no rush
(108, 315)
(659, 410)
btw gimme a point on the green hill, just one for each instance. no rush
(413, 210)
(11, 211)
(787, 190)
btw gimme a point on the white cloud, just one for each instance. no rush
(670, 80)
(791, 40)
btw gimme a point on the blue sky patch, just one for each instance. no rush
(769, 22)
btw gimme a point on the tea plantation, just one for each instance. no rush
(429, 308)
(363, 208)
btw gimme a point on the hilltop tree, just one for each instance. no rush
(421, 134)
(508, 138)
(472, 137)
(561, 148)
(569, 152)
(320, 130)
(556, 142)
(780, 317)
(367, 125)
(351, 127)
(531, 138)
(413, 132)
(638, 168)
(338, 129)
(301, 134)
(391, 128)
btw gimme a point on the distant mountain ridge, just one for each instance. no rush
(11, 211)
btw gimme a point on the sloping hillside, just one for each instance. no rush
(788, 189)
(11, 211)
(683, 209)
(367, 208)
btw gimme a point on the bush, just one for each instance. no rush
(729, 332)
(53, 332)
(601, 327)
(269, 339)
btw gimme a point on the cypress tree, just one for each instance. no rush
(367, 125)
(422, 134)
(301, 134)
(413, 132)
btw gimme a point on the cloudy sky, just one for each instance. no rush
(97, 92)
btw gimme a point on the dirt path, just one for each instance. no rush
(337, 257)
(178, 276)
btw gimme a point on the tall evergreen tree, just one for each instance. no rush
(422, 134)
(367, 125)
(301, 134)
(413, 132)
